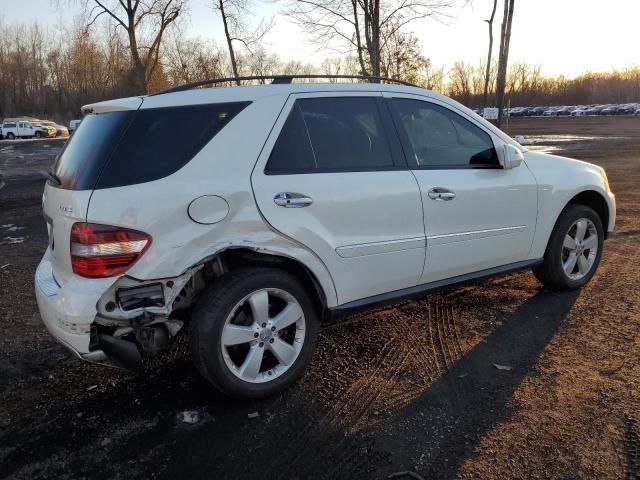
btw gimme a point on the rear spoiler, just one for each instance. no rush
(120, 104)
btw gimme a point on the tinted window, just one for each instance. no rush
(83, 157)
(160, 141)
(9, 125)
(115, 149)
(436, 137)
(331, 134)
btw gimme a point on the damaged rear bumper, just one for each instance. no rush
(69, 311)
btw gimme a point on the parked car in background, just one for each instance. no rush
(609, 110)
(73, 125)
(44, 131)
(579, 112)
(18, 129)
(595, 110)
(564, 111)
(625, 110)
(61, 130)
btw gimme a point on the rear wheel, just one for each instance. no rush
(253, 332)
(574, 250)
(10, 136)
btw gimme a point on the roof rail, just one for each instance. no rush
(280, 79)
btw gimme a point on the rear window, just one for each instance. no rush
(116, 149)
(83, 157)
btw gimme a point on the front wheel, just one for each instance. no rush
(253, 332)
(38, 134)
(574, 250)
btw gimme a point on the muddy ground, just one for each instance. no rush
(409, 388)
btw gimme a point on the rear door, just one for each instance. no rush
(332, 177)
(477, 215)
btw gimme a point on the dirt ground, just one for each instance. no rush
(411, 388)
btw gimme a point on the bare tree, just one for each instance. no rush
(402, 58)
(145, 23)
(360, 26)
(233, 14)
(487, 74)
(503, 59)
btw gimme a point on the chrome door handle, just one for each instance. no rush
(292, 200)
(441, 194)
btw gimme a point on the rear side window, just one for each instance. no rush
(331, 134)
(9, 125)
(160, 141)
(116, 149)
(437, 138)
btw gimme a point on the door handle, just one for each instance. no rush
(441, 194)
(292, 200)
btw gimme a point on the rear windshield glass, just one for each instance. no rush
(124, 148)
(81, 161)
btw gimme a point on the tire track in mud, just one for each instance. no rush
(423, 346)
(631, 449)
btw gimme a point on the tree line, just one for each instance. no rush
(131, 47)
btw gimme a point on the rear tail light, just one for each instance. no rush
(105, 251)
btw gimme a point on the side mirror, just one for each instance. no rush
(510, 156)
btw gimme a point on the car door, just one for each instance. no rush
(477, 215)
(333, 178)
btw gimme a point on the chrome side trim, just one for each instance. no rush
(362, 249)
(472, 235)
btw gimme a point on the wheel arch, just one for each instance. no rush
(237, 257)
(552, 209)
(596, 201)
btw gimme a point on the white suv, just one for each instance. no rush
(253, 213)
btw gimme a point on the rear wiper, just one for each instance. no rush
(51, 177)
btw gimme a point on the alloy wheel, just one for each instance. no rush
(263, 335)
(580, 249)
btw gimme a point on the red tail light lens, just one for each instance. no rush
(104, 251)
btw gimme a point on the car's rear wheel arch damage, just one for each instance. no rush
(243, 258)
(117, 324)
(595, 201)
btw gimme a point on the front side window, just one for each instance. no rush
(331, 134)
(435, 137)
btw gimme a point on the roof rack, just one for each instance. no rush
(281, 79)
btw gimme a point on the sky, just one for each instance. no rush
(564, 37)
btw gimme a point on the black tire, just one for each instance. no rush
(10, 136)
(38, 134)
(550, 272)
(208, 320)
